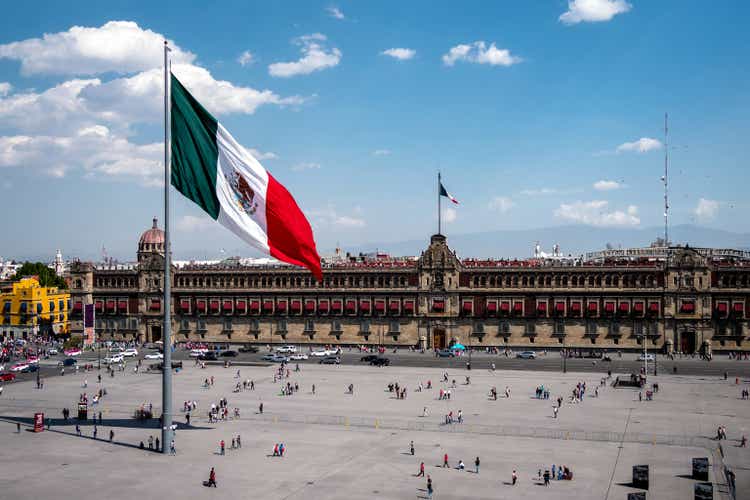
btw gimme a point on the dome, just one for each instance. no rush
(153, 236)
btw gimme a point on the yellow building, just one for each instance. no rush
(28, 308)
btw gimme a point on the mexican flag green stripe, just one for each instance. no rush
(194, 150)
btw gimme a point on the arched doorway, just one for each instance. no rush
(687, 340)
(155, 333)
(438, 338)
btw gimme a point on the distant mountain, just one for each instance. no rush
(573, 240)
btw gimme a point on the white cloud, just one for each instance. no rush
(335, 13)
(329, 216)
(259, 155)
(449, 215)
(706, 209)
(604, 185)
(95, 149)
(480, 53)
(382, 152)
(593, 11)
(315, 57)
(5, 88)
(538, 192)
(400, 53)
(501, 203)
(246, 58)
(117, 46)
(191, 224)
(597, 213)
(299, 167)
(642, 145)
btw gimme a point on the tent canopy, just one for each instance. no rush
(460, 347)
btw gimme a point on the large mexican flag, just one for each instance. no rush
(212, 169)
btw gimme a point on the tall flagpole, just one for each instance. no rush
(166, 388)
(438, 193)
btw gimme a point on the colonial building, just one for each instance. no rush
(672, 298)
(29, 309)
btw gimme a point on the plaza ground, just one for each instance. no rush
(341, 445)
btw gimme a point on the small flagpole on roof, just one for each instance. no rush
(438, 193)
(166, 386)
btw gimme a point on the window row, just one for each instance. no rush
(563, 281)
(279, 326)
(297, 306)
(298, 281)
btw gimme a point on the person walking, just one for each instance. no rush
(239, 442)
(111, 435)
(172, 449)
(411, 447)
(78, 429)
(430, 487)
(221, 447)
(514, 478)
(546, 478)
(95, 432)
(211, 478)
(282, 449)
(554, 410)
(421, 470)
(151, 442)
(476, 465)
(260, 408)
(157, 444)
(445, 460)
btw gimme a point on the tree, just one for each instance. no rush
(44, 274)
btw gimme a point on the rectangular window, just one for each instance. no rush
(504, 327)
(184, 325)
(254, 325)
(364, 326)
(737, 329)
(281, 325)
(530, 328)
(309, 325)
(559, 328)
(336, 326)
(478, 328)
(614, 328)
(653, 328)
(638, 328)
(394, 327)
(227, 325)
(201, 325)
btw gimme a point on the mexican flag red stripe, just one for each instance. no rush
(217, 173)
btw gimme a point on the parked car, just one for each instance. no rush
(248, 348)
(368, 359)
(319, 354)
(380, 362)
(52, 352)
(286, 349)
(298, 357)
(112, 359)
(446, 353)
(208, 356)
(19, 367)
(30, 368)
(197, 352)
(7, 377)
(526, 355)
(646, 357)
(68, 362)
(129, 353)
(72, 352)
(228, 354)
(154, 355)
(330, 360)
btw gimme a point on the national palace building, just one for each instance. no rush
(680, 298)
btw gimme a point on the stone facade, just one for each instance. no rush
(691, 299)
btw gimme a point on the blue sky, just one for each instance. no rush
(538, 103)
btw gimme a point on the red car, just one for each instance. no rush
(7, 377)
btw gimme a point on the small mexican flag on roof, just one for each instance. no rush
(213, 170)
(445, 193)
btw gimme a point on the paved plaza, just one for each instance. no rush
(341, 445)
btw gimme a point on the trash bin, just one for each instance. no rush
(700, 468)
(704, 491)
(83, 411)
(640, 476)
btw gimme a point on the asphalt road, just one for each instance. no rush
(552, 362)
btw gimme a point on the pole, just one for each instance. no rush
(166, 390)
(438, 193)
(666, 183)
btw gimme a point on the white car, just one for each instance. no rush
(333, 352)
(646, 357)
(319, 354)
(197, 352)
(18, 367)
(52, 352)
(298, 357)
(154, 355)
(286, 349)
(129, 353)
(113, 359)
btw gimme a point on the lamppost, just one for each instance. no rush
(564, 359)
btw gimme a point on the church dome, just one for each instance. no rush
(152, 240)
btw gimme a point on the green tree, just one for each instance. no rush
(46, 276)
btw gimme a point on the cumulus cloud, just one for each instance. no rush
(329, 216)
(501, 203)
(259, 155)
(642, 145)
(449, 215)
(400, 53)
(604, 185)
(382, 152)
(597, 213)
(192, 224)
(593, 11)
(100, 153)
(480, 53)
(5, 88)
(117, 46)
(335, 13)
(299, 167)
(246, 58)
(706, 209)
(315, 57)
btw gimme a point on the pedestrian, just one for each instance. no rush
(172, 449)
(211, 478)
(476, 465)
(187, 419)
(78, 429)
(18, 428)
(221, 446)
(157, 444)
(95, 431)
(445, 460)
(282, 449)
(260, 408)
(276, 450)
(430, 487)
(313, 388)
(411, 447)
(151, 442)
(514, 478)
(239, 443)
(554, 410)
(111, 435)
(546, 478)
(421, 470)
